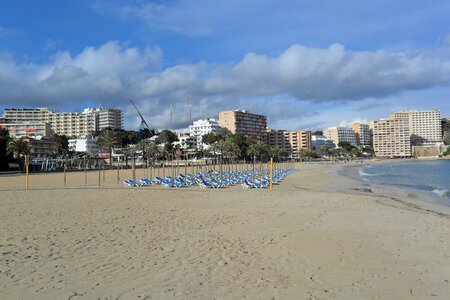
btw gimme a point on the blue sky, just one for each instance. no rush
(305, 64)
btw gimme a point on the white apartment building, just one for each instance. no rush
(185, 141)
(73, 124)
(340, 134)
(205, 126)
(87, 145)
(391, 138)
(425, 125)
(105, 118)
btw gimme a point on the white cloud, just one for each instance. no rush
(114, 73)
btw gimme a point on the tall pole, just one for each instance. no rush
(171, 121)
(85, 174)
(271, 172)
(65, 182)
(27, 158)
(190, 111)
(118, 176)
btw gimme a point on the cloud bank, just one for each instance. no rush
(114, 73)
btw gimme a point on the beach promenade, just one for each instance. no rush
(317, 235)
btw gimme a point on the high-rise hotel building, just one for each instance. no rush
(241, 121)
(289, 140)
(204, 126)
(362, 133)
(340, 134)
(425, 125)
(391, 138)
(73, 124)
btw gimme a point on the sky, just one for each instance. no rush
(304, 64)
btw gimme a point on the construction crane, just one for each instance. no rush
(141, 133)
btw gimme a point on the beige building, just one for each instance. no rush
(30, 129)
(72, 124)
(425, 125)
(340, 134)
(362, 134)
(391, 138)
(241, 121)
(289, 140)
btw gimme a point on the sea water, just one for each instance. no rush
(428, 176)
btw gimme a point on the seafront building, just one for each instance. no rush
(241, 121)
(27, 129)
(72, 124)
(204, 126)
(391, 138)
(87, 145)
(185, 140)
(42, 147)
(362, 134)
(340, 134)
(425, 125)
(319, 140)
(290, 141)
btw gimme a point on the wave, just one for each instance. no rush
(441, 193)
(362, 173)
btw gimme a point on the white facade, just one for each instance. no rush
(87, 145)
(202, 127)
(425, 125)
(72, 124)
(185, 140)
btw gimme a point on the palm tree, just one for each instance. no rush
(108, 140)
(153, 151)
(127, 152)
(18, 148)
(253, 151)
(232, 149)
(276, 152)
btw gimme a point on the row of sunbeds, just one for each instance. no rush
(247, 179)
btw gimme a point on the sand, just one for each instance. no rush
(314, 237)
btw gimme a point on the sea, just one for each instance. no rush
(430, 176)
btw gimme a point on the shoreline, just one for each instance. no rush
(419, 199)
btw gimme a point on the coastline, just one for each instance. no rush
(314, 236)
(425, 200)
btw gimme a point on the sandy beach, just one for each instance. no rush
(317, 235)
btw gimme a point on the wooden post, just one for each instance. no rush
(27, 158)
(85, 174)
(118, 175)
(271, 172)
(65, 182)
(99, 174)
(103, 166)
(134, 169)
(151, 169)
